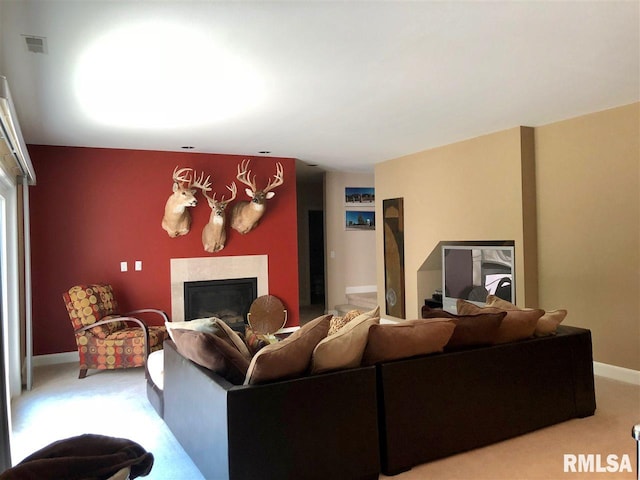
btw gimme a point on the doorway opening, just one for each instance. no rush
(316, 257)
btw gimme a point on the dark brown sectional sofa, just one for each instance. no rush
(387, 418)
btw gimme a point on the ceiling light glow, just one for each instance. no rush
(159, 75)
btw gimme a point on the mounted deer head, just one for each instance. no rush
(214, 234)
(177, 219)
(246, 215)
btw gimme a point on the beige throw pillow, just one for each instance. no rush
(547, 324)
(344, 348)
(290, 357)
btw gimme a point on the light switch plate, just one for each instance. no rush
(123, 266)
(138, 265)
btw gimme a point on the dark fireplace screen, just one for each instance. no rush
(228, 300)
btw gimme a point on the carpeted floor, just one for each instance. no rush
(114, 403)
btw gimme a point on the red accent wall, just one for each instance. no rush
(93, 208)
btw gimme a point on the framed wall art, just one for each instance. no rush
(359, 196)
(360, 220)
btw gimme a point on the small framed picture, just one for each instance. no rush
(359, 196)
(360, 220)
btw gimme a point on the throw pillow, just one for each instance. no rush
(214, 326)
(254, 340)
(547, 324)
(212, 352)
(471, 330)
(516, 325)
(406, 339)
(232, 336)
(290, 357)
(338, 322)
(199, 324)
(345, 348)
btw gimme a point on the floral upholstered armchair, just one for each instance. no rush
(106, 340)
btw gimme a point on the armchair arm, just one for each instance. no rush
(163, 314)
(140, 323)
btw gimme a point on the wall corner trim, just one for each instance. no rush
(616, 373)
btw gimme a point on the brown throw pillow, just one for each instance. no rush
(547, 323)
(290, 357)
(212, 352)
(471, 330)
(226, 332)
(516, 325)
(408, 338)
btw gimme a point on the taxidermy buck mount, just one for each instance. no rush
(246, 215)
(177, 219)
(214, 235)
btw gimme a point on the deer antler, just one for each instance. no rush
(179, 176)
(278, 179)
(202, 183)
(233, 189)
(244, 175)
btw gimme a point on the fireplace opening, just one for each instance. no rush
(229, 300)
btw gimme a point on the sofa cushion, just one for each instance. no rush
(210, 351)
(471, 330)
(343, 349)
(211, 325)
(516, 325)
(290, 357)
(547, 323)
(406, 339)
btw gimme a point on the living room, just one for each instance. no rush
(564, 187)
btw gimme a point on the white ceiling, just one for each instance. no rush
(340, 84)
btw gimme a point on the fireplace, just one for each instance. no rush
(184, 270)
(229, 300)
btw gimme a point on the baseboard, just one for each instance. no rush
(361, 289)
(55, 358)
(616, 373)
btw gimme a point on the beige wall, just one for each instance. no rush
(588, 173)
(471, 190)
(353, 263)
(585, 194)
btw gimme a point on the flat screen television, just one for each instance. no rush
(473, 271)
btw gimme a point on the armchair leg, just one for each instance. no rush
(83, 373)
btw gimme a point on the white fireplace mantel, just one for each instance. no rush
(214, 268)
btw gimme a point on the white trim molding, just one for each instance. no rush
(55, 358)
(361, 289)
(616, 373)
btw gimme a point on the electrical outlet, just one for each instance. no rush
(123, 266)
(138, 266)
